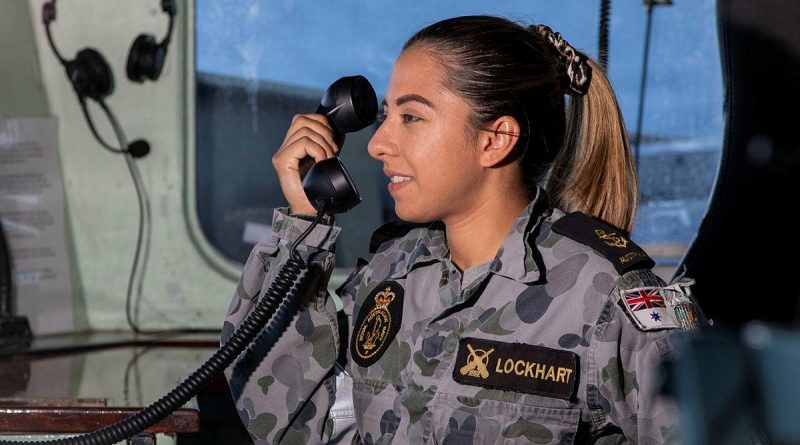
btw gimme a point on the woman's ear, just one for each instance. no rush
(497, 141)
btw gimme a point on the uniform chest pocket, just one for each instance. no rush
(469, 420)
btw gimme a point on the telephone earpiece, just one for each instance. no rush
(350, 104)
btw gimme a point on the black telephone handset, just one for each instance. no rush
(350, 104)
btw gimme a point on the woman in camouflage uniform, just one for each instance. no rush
(505, 315)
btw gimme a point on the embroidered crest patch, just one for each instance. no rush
(377, 323)
(516, 367)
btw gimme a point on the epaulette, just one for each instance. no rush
(611, 242)
(390, 231)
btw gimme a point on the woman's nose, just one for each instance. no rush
(381, 143)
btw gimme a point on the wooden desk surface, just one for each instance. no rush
(79, 383)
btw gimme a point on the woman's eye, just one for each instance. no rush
(404, 118)
(409, 118)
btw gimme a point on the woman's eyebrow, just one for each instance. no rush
(410, 98)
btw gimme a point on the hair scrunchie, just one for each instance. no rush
(578, 73)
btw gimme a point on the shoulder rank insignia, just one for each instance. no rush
(377, 323)
(654, 308)
(612, 243)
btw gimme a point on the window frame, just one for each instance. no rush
(219, 262)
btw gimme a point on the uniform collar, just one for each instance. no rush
(515, 259)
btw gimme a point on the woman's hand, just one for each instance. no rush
(308, 140)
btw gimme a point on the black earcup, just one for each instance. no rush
(145, 59)
(90, 74)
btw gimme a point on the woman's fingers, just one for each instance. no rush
(308, 140)
(306, 135)
(316, 123)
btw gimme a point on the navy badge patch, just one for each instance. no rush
(516, 367)
(612, 243)
(377, 323)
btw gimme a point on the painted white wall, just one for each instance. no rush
(185, 283)
(22, 92)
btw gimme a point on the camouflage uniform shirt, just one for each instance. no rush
(532, 347)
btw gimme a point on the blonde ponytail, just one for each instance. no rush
(594, 172)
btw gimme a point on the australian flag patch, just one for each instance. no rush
(647, 308)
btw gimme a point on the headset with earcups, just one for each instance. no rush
(89, 72)
(91, 76)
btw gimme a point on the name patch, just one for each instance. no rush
(377, 323)
(516, 367)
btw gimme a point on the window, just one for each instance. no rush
(258, 63)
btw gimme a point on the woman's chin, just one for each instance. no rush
(409, 214)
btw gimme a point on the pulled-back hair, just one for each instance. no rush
(581, 151)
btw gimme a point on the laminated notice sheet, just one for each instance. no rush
(32, 213)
